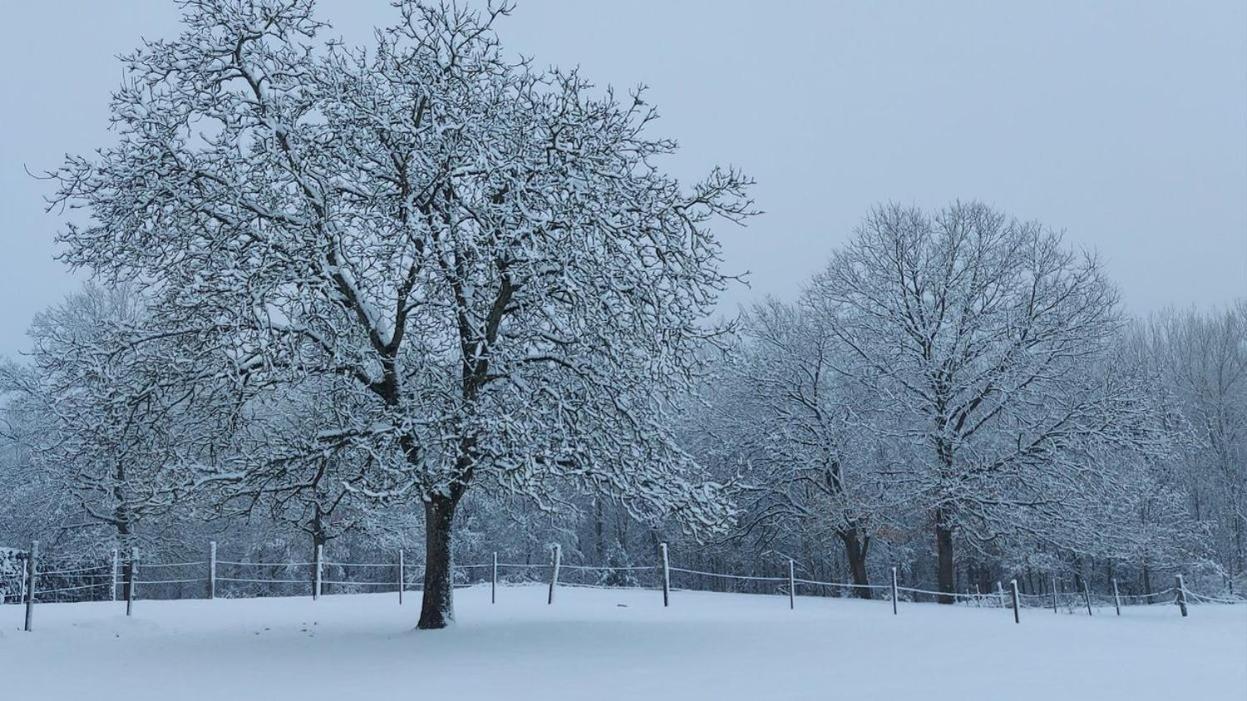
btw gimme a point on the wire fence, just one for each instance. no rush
(130, 578)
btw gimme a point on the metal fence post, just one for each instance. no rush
(554, 572)
(792, 585)
(666, 574)
(320, 555)
(211, 569)
(133, 580)
(894, 591)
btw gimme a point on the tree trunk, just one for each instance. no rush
(127, 577)
(599, 530)
(1237, 565)
(944, 554)
(318, 541)
(856, 545)
(126, 547)
(121, 520)
(437, 609)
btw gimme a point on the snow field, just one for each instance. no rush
(616, 644)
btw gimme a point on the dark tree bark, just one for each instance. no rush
(127, 577)
(437, 607)
(856, 545)
(944, 555)
(599, 529)
(319, 539)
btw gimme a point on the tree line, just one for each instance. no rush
(425, 294)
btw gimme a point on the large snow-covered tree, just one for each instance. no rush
(986, 332)
(487, 255)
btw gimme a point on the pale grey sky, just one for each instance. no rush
(1124, 123)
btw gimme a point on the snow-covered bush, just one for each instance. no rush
(12, 569)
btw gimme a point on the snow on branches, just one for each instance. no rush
(484, 255)
(988, 334)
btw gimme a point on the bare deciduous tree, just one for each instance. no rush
(1202, 358)
(978, 327)
(487, 254)
(814, 448)
(118, 413)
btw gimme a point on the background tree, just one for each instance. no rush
(1201, 358)
(35, 503)
(814, 448)
(979, 327)
(288, 460)
(116, 413)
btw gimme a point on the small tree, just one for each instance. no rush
(34, 501)
(117, 412)
(487, 254)
(290, 459)
(814, 445)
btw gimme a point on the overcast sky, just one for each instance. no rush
(1124, 124)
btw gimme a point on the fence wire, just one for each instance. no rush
(235, 578)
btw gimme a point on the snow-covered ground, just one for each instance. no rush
(595, 644)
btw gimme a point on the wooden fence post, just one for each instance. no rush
(1116, 597)
(1017, 617)
(1086, 594)
(402, 578)
(134, 579)
(493, 581)
(792, 585)
(666, 574)
(1054, 607)
(319, 559)
(554, 572)
(894, 591)
(1000, 593)
(1181, 586)
(32, 563)
(212, 569)
(115, 570)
